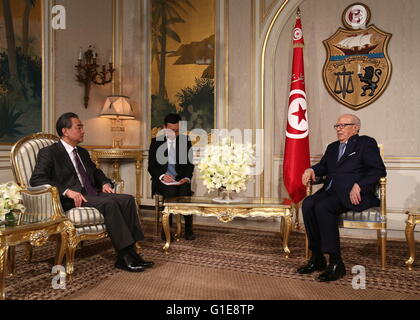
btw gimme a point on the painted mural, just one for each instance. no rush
(20, 69)
(183, 54)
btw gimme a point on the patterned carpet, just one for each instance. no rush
(247, 251)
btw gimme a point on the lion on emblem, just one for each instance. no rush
(367, 78)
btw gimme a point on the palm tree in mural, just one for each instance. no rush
(29, 4)
(11, 44)
(164, 14)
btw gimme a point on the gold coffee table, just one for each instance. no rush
(226, 212)
(36, 234)
(412, 220)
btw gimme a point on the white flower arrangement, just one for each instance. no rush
(10, 199)
(226, 164)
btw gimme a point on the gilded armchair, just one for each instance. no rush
(43, 202)
(372, 219)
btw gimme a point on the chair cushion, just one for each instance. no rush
(99, 228)
(369, 215)
(85, 216)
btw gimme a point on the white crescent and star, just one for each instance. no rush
(297, 116)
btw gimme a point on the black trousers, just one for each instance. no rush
(321, 213)
(121, 219)
(176, 191)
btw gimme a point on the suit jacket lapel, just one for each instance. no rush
(64, 156)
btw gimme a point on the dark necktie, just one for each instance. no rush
(85, 178)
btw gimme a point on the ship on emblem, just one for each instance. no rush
(356, 44)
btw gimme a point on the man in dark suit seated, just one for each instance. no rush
(80, 184)
(171, 167)
(352, 166)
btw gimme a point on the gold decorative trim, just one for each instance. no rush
(262, 112)
(253, 68)
(226, 63)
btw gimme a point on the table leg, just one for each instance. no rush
(116, 170)
(409, 234)
(166, 229)
(11, 261)
(3, 269)
(178, 227)
(287, 228)
(138, 181)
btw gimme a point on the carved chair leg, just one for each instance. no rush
(383, 248)
(72, 243)
(157, 212)
(409, 235)
(61, 249)
(379, 241)
(306, 247)
(70, 254)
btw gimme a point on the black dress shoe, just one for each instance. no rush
(139, 260)
(314, 264)
(333, 272)
(189, 236)
(128, 263)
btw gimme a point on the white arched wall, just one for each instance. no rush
(273, 24)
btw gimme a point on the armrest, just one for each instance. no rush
(42, 204)
(318, 180)
(44, 187)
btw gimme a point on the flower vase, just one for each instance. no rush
(10, 219)
(226, 196)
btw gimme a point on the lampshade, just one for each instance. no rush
(117, 107)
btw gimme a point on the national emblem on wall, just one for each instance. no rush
(357, 69)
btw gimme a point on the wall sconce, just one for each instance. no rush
(117, 108)
(87, 71)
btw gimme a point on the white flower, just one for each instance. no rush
(226, 164)
(10, 198)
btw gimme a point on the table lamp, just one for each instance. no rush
(117, 108)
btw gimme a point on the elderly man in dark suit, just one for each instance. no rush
(171, 167)
(353, 167)
(70, 169)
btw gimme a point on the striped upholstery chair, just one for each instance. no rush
(43, 202)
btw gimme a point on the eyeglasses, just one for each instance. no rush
(343, 125)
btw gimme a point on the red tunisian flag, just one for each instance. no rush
(296, 151)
